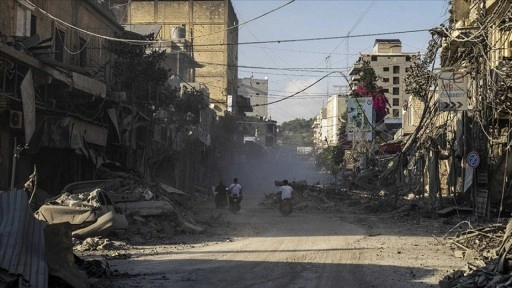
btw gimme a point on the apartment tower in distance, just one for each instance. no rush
(256, 90)
(391, 66)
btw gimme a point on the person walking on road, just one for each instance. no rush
(221, 199)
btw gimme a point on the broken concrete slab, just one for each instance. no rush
(146, 208)
(106, 223)
(193, 227)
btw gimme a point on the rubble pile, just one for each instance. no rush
(489, 255)
(79, 200)
(96, 244)
(316, 197)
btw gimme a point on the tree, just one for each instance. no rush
(368, 88)
(139, 71)
(297, 132)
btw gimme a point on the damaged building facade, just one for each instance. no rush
(53, 83)
(459, 145)
(68, 107)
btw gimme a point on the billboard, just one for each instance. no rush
(360, 118)
(304, 150)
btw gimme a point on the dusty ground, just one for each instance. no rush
(260, 248)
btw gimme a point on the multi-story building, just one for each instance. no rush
(336, 107)
(391, 66)
(256, 90)
(483, 29)
(53, 88)
(205, 31)
(320, 129)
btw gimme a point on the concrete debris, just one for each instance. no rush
(488, 252)
(97, 244)
(193, 227)
(314, 197)
(86, 199)
(146, 208)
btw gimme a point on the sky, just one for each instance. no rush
(292, 66)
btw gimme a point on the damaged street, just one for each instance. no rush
(260, 248)
(172, 143)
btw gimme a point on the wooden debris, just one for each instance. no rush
(487, 267)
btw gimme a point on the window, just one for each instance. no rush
(408, 58)
(396, 113)
(33, 25)
(83, 52)
(385, 69)
(385, 90)
(396, 69)
(396, 102)
(385, 80)
(407, 70)
(396, 91)
(59, 40)
(374, 58)
(396, 80)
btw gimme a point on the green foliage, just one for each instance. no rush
(190, 105)
(368, 76)
(139, 71)
(297, 132)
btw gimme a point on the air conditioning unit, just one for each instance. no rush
(16, 119)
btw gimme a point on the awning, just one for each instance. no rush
(391, 147)
(69, 133)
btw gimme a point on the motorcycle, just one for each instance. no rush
(234, 204)
(285, 206)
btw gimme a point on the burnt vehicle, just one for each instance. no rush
(86, 206)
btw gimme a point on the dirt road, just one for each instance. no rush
(307, 249)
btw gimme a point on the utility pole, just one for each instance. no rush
(327, 65)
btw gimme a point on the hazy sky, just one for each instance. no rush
(306, 19)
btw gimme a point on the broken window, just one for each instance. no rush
(83, 52)
(374, 58)
(385, 80)
(396, 113)
(59, 40)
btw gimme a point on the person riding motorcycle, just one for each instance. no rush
(235, 190)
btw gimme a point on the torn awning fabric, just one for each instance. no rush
(70, 133)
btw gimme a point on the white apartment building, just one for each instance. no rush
(328, 121)
(320, 129)
(391, 66)
(256, 90)
(336, 106)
